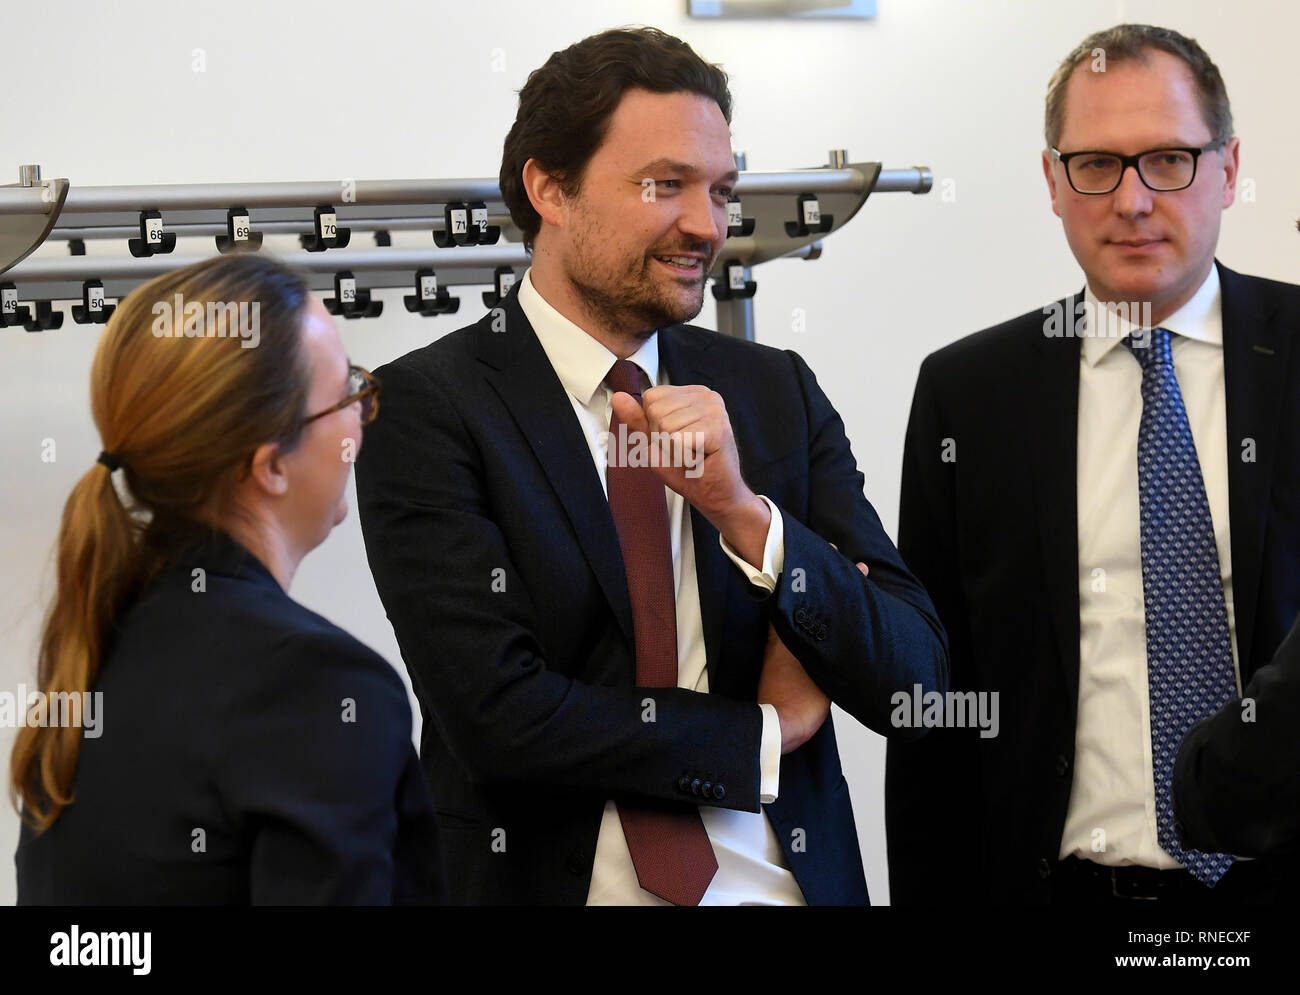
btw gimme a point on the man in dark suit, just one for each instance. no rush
(1101, 497)
(540, 577)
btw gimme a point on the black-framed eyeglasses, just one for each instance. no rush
(363, 387)
(1162, 170)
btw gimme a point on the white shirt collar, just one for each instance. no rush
(1200, 318)
(579, 360)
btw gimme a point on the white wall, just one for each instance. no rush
(393, 90)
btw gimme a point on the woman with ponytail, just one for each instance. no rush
(245, 749)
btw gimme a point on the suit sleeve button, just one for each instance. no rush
(695, 786)
(684, 783)
(719, 792)
(706, 789)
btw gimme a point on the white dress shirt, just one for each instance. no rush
(1114, 787)
(751, 865)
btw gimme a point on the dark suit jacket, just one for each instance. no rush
(496, 557)
(227, 770)
(993, 536)
(1237, 783)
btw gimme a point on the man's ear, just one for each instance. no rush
(1231, 164)
(544, 194)
(269, 470)
(1050, 175)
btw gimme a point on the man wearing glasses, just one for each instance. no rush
(1103, 499)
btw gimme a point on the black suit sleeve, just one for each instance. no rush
(504, 714)
(861, 639)
(320, 774)
(930, 802)
(1236, 782)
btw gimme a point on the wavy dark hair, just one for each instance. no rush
(565, 106)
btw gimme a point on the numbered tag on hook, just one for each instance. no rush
(326, 233)
(486, 234)
(349, 300)
(11, 312)
(811, 220)
(455, 227)
(733, 285)
(503, 278)
(737, 223)
(92, 310)
(239, 236)
(153, 240)
(429, 299)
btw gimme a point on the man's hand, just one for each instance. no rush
(801, 707)
(695, 454)
(800, 704)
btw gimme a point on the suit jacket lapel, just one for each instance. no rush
(529, 387)
(1054, 446)
(683, 359)
(1254, 361)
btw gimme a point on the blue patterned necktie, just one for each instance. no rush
(1189, 649)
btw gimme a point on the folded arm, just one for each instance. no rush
(862, 638)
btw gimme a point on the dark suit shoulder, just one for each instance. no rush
(986, 351)
(701, 337)
(264, 609)
(442, 359)
(307, 646)
(1267, 295)
(1261, 285)
(728, 351)
(244, 630)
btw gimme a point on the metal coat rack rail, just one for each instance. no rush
(473, 243)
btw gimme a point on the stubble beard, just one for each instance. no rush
(627, 299)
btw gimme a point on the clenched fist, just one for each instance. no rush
(693, 450)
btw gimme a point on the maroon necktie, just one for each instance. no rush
(670, 849)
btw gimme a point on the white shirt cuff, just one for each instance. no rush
(769, 753)
(773, 553)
